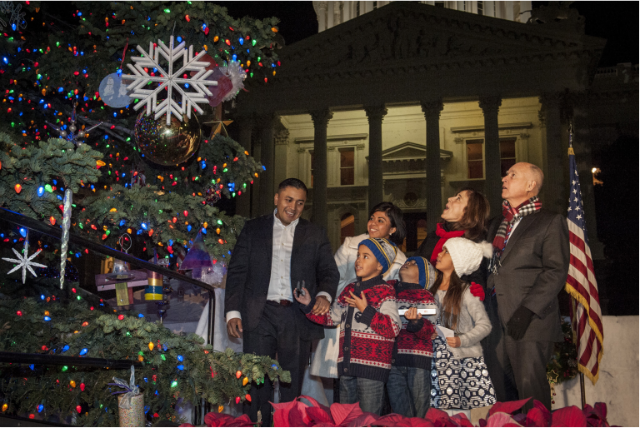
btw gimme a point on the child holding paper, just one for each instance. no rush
(409, 385)
(369, 322)
(460, 380)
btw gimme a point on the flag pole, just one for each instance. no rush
(582, 387)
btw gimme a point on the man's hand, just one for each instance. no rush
(321, 307)
(234, 327)
(303, 298)
(519, 323)
(357, 302)
(412, 314)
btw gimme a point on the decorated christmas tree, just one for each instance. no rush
(112, 124)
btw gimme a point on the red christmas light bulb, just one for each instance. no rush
(78, 409)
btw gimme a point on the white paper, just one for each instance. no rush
(444, 332)
(430, 311)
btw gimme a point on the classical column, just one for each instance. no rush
(490, 106)
(243, 202)
(431, 110)
(489, 8)
(554, 160)
(266, 124)
(375, 114)
(320, 121)
(321, 12)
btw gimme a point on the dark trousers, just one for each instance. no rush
(409, 391)
(369, 393)
(494, 355)
(527, 361)
(277, 333)
(518, 368)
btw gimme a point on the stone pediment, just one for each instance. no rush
(414, 37)
(404, 151)
(410, 151)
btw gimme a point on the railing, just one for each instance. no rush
(56, 232)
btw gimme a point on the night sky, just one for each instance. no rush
(615, 21)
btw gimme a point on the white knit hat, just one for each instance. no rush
(466, 255)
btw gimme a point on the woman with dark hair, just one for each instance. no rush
(465, 215)
(385, 221)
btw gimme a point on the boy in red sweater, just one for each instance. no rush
(369, 323)
(409, 385)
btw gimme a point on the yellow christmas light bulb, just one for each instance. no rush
(245, 381)
(46, 313)
(220, 408)
(151, 346)
(5, 406)
(205, 224)
(140, 358)
(72, 383)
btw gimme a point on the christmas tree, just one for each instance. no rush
(70, 160)
(56, 56)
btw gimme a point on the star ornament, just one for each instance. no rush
(24, 261)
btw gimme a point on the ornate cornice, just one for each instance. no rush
(432, 108)
(404, 38)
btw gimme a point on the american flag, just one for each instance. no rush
(582, 285)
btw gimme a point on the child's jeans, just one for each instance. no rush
(409, 390)
(370, 393)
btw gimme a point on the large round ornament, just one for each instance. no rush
(167, 145)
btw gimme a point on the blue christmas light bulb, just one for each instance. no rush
(83, 352)
(180, 358)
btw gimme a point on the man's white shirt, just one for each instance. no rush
(280, 280)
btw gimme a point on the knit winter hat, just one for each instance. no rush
(466, 255)
(384, 250)
(427, 272)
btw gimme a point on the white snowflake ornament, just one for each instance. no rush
(24, 261)
(170, 78)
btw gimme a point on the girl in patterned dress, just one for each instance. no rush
(459, 377)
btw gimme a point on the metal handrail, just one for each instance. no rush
(56, 232)
(63, 360)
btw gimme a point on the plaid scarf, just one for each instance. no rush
(511, 215)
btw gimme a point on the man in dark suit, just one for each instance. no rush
(528, 270)
(273, 254)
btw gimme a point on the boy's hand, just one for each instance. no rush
(357, 302)
(433, 336)
(302, 299)
(321, 307)
(412, 314)
(454, 342)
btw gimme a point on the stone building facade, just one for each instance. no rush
(409, 102)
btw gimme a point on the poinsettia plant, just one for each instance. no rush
(298, 414)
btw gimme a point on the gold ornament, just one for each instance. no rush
(167, 145)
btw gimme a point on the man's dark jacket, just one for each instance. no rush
(533, 270)
(249, 270)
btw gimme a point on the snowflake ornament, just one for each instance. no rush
(172, 79)
(24, 261)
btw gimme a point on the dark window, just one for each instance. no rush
(439, 4)
(347, 227)
(375, 4)
(347, 166)
(507, 154)
(357, 8)
(475, 159)
(480, 8)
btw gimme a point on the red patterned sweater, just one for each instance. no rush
(413, 347)
(366, 338)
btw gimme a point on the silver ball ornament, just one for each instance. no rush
(72, 128)
(63, 134)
